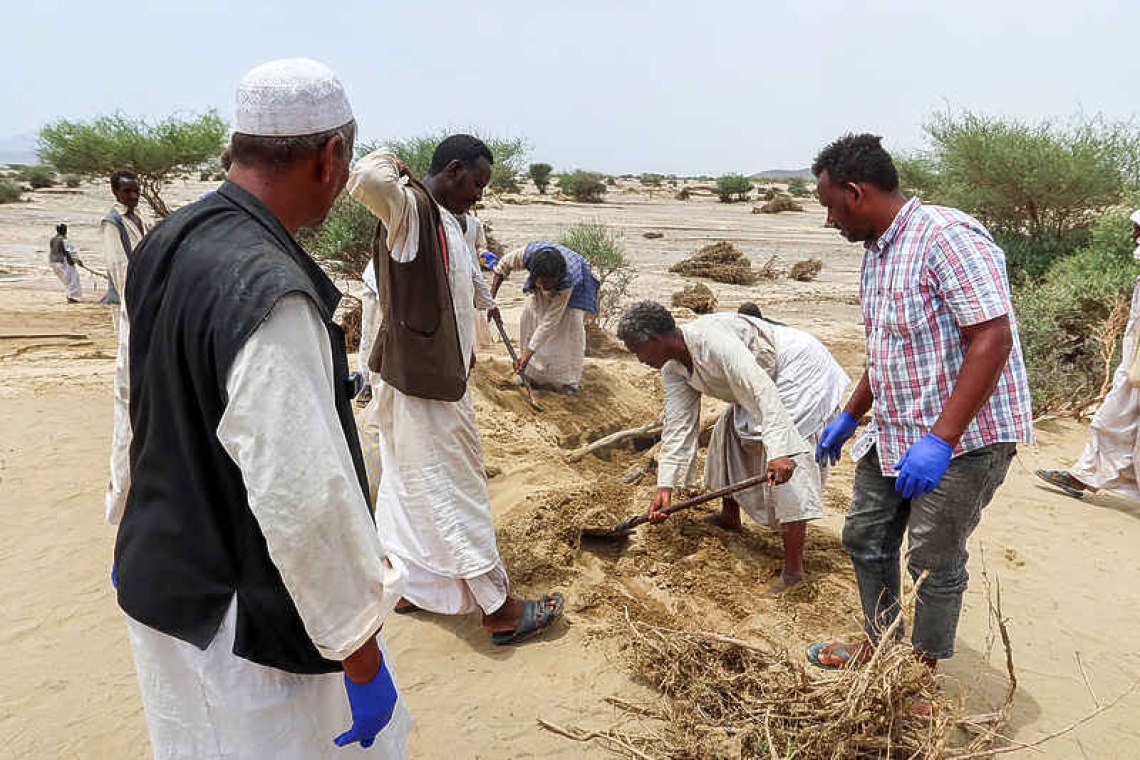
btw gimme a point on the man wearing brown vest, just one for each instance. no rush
(433, 509)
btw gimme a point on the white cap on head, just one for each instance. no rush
(1135, 216)
(291, 97)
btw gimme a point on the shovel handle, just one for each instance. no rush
(633, 522)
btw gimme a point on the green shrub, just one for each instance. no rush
(72, 181)
(587, 187)
(733, 187)
(9, 191)
(611, 182)
(343, 241)
(683, 194)
(540, 175)
(798, 188)
(1072, 317)
(651, 180)
(204, 176)
(614, 270)
(37, 176)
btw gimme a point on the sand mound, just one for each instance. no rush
(720, 261)
(697, 297)
(601, 344)
(806, 271)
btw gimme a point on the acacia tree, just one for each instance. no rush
(729, 185)
(1043, 179)
(343, 241)
(510, 154)
(156, 152)
(540, 175)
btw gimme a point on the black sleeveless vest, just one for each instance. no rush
(201, 282)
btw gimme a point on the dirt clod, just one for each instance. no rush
(698, 297)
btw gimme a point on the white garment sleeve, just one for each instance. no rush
(483, 298)
(680, 429)
(375, 182)
(553, 307)
(281, 428)
(753, 390)
(115, 499)
(511, 262)
(114, 257)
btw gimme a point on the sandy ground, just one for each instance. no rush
(1065, 567)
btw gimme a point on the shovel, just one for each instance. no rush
(621, 531)
(515, 358)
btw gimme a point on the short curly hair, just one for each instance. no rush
(643, 319)
(858, 158)
(548, 263)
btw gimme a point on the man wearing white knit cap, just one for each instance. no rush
(247, 561)
(1111, 459)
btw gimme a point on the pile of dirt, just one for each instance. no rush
(806, 271)
(698, 297)
(720, 261)
(600, 344)
(776, 205)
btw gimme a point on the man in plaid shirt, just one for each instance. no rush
(947, 381)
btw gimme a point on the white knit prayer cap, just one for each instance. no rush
(291, 97)
(1135, 216)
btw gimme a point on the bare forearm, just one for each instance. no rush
(861, 398)
(496, 283)
(362, 665)
(986, 356)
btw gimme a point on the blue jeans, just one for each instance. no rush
(939, 523)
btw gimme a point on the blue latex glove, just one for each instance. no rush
(114, 580)
(923, 466)
(833, 438)
(372, 704)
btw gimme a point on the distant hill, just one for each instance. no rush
(19, 149)
(783, 174)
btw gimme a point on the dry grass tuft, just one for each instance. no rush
(806, 270)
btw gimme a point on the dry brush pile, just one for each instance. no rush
(723, 262)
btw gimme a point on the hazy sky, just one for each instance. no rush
(685, 87)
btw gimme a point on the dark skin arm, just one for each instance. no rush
(362, 665)
(988, 350)
(861, 398)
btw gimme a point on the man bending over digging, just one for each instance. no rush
(782, 385)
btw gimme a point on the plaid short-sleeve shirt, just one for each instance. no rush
(934, 271)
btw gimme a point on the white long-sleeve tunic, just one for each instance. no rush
(433, 507)
(281, 428)
(729, 354)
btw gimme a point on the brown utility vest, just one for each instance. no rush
(417, 349)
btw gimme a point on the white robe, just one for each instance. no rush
(1111, 459)
(433, 506)
(68, 274)
(555, 333)
(783, 387)
(370, 318)
(811, 385)
(281, 428)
